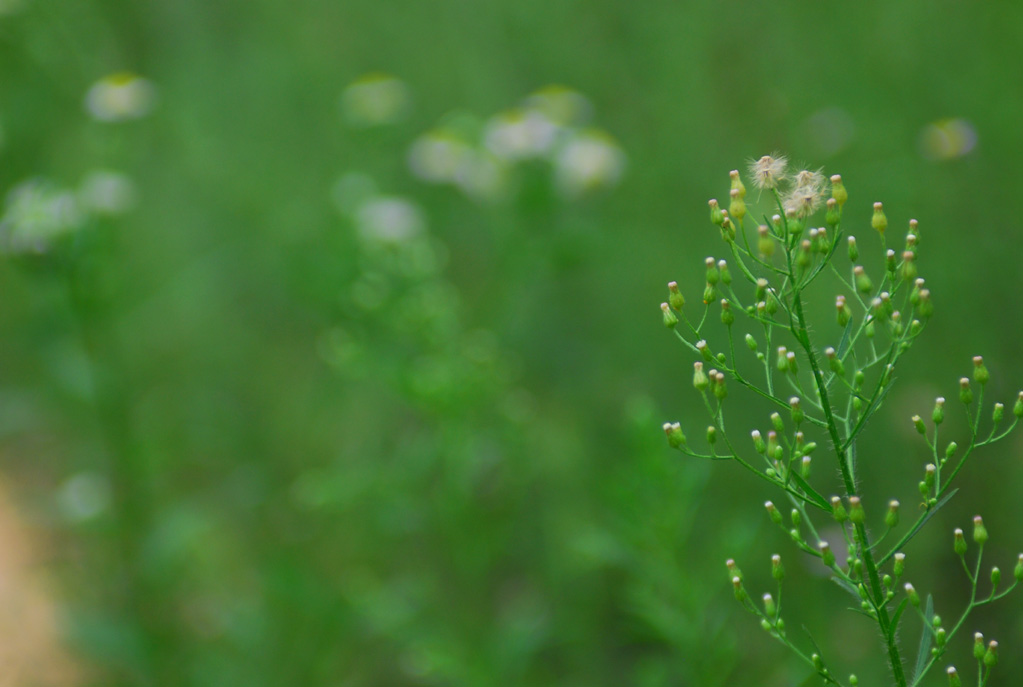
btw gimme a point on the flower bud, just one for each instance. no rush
(727, 317)
(736, 183)
(891, 518)
(833, 215)
(804, 467)
(777, 423)
(737, 206)
(930, 472)
(673, 431)
(914, 598)
(1017, 408)
(953, 678)
(908, 266)
(709, 294)
(713, 276)
(978, 646)
(669, 317)
(796, 516)
(996, 577)
(704, 350)
(758, 442)
(783, 360)
(765, 244)
(889, 262)
(919, 424)
(751, 343)
(926, 307)
(854, 251)
(980, 373)
(803, 258)
(675, 297)
(938, 415)
(720, 391)
(856, 513)
(838, 510)
(827, 555)
(991, 655)
(726, 275)
(738, 590)
(773, 512)
(716, 216)
(772, 303)
(733, 569)
(777, 569)
(959, 542)
(878, 220)
(700, 380)
(979, 531)
(712, 435)
(834, 362)
(843, 310)
(940, 637)
(838, 191)
(863, 283)
(965, 392)
(770, 608)
(950, 450)
(998, 413)
(1018, 570)
(797, 411)
(790, 358)
(818, 663)
(899, 566)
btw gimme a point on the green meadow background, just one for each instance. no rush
(267, 448)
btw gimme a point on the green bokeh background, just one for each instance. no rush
(468, 484)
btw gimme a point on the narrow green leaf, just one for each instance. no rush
(847, 586)
(895, 620)
(925, 640)
(811, 493)
(844, 342)
(916, 528)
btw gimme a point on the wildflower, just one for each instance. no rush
(808, 178)
(375, 99)
(389, 220)
(119, 97)
(106, 192)
(768, 171)
(520, 134)
(37, 213)
(804, 200)
(560, 105)
(588, 160)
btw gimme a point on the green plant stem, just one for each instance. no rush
(800, 331)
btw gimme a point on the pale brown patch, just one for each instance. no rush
(31, 652)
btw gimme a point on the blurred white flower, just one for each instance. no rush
(106, 192)
(389, 219)
(482, 175)
(36, 213)
(438, 155)
(589, 159)
(947, 139)
(84, 496)
(520, 134)
(119, 97)
(560, 105)
(375, 99)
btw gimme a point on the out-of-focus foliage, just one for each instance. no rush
(331, 351)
